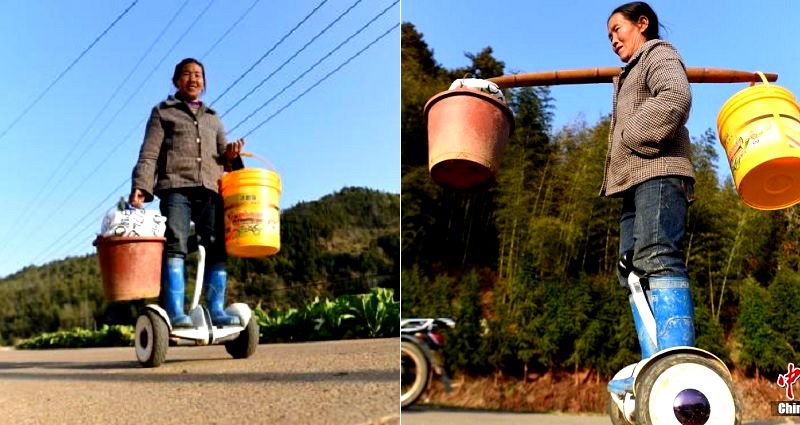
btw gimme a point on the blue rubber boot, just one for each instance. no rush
(672, 307)
(172, 288)
(215, 279)
(671, 302)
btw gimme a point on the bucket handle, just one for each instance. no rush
(763, 78)
(263, 160)
(778, 121)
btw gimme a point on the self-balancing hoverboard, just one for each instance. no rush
(154, 329)
(679, 385)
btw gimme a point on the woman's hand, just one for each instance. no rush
(136, 199)
(232, 150)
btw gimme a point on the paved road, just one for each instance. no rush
(425, 416)
(332, 382)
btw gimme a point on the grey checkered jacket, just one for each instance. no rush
(648, 137)
(180, 149)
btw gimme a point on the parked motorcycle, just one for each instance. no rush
(421, 344)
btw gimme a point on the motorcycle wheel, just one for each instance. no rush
(414, 373)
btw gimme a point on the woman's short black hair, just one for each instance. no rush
(635, 9)
(179, 68)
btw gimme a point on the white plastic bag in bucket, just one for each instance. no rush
(478, 84)
(125, 220)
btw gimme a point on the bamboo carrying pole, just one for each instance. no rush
(604, 75)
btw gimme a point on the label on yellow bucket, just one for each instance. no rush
(760, 133)
(252, 222)
(241, 222)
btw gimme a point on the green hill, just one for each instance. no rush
(343, 243)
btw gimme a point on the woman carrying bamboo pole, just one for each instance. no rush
(648, 166)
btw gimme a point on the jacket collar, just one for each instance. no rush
(646, 47)
(173, 102)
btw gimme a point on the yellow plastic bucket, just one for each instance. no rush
(759, 127)
(252, 212)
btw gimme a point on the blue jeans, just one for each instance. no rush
(205, 209)
(653, 224)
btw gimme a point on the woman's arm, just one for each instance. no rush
(144, 172)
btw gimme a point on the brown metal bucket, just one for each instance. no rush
(467, 133)
(131, 266)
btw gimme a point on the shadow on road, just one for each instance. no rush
(68, 365)
(132, 364)
(156, 375)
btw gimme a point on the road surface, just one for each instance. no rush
(331, 382)
(431, 416)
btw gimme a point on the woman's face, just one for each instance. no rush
(626, 36)
(190, 82)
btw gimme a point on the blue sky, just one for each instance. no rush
(532, 36)
(68, 157)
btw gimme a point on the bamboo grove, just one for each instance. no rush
(526, 266)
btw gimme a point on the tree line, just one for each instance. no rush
(527, 266)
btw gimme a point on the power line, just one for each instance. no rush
(321, 80)
(40, 194)
(147, 78)
(230, 28)
(338, 18)
(180, 38)
(72, 228)
(55, 243)
(124, 139)
(102, 162)
(41, 95)
(124, 80)
(123, 105)
(85, 244)
(270, 51)
(317, 63)
(254, 129)
(136, 91)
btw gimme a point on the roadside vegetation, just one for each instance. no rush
(371, 315)
(344, 244)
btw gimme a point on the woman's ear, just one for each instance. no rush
(643, 23)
